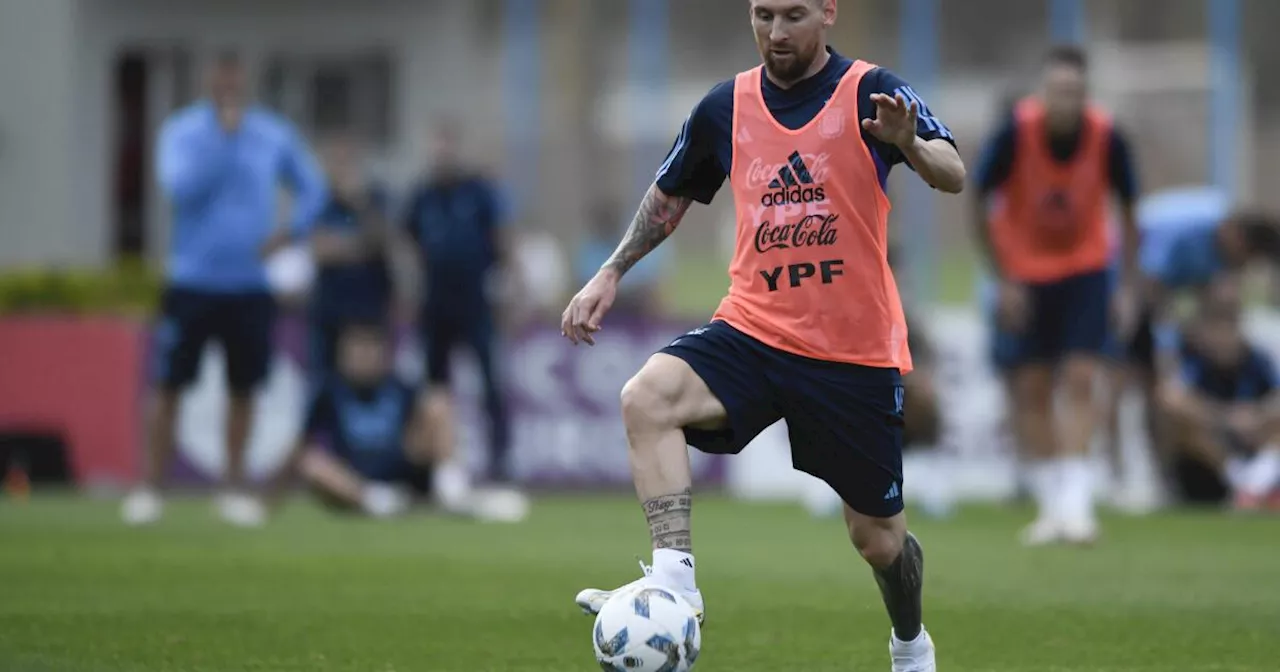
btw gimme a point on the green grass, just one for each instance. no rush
(1173, 593)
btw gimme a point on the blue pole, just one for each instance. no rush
(522, 93)
(1068, 23)
(648, 72)
(918, 58)
(1225, 93)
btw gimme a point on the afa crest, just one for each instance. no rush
(831, 126)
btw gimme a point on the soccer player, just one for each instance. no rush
(1222, 406)
(220, 162)
(456, 219)
(382, 449)
(1054, 167)
(812, 328)
(349, 244)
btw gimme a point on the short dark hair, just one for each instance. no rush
(1068, 55)
(1261, 233)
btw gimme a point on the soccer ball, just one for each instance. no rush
(647, 628)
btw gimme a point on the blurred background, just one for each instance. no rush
(570, 106)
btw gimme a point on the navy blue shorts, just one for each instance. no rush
(1067, 317)
(845, 421)
(242, 324)
(446, 326)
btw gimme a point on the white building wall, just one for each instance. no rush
(39, 224)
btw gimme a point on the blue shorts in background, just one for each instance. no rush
(845, 421)
(242, 323)
(1068, 316)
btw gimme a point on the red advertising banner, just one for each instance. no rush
(79, 379)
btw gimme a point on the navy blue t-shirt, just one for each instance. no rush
(1251, 380)
(355, 291)
(456, 224)
(365, 428)
(996, 163)
(702, 156)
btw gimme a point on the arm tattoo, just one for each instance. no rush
(657, 218)
(669, 520)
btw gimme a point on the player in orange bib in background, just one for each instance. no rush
(1049, 240)
(812, 328)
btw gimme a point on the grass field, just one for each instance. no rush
(1172, 593)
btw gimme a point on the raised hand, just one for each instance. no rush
(895, 121)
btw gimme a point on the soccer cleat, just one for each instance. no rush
(913, 656)
(592, 599)
(240, 510)
(142, 507)
(1042, 532)
(1083, 532)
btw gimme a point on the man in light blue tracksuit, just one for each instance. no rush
(220, 162)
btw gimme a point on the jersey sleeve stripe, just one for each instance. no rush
(682, 140)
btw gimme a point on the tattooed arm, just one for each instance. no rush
(659, 215)
(657, 218)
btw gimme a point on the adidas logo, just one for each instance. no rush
(687, 563)
(894, 492)
(794, 184)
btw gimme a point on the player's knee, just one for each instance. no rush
(879, 546)
(648, 402)
(1079, 376)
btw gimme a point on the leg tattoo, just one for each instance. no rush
(669, 520)
(901, 585)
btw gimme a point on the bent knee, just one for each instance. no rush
(879, 541)
(666, 394)
(1079, 377)
(648, 400)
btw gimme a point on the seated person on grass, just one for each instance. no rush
(1224, 409)
(367, 444)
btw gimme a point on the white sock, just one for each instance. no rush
(1262, 473)
(451, 482)
(1044, 479)
(676, 567)
(1077, 488)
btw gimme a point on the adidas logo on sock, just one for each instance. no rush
(894, 492)
(687, 562)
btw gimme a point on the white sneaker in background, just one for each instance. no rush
(499, 505)
(384, 501)
(1080, 531)
(240, 510)
(914, 656)
(142, 507)
(1041, 532)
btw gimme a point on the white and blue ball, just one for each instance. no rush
(646, 628)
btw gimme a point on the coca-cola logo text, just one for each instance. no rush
(810, 231)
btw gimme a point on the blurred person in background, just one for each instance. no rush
(456, 218)
(640, 292)
(220, 163)
(1223, 406)
(350, 248)
(812, 329)
(1053, 167)
(1191, 238)
(367, 443)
